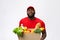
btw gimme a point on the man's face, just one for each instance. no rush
(30, 13)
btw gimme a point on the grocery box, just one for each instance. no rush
(30, 36)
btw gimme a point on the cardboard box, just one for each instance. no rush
(30, 36)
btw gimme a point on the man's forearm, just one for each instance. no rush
(44, 34)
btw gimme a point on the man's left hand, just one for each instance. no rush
(41, 39)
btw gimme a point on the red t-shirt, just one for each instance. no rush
(31, 23)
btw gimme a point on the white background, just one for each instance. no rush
(11, 11)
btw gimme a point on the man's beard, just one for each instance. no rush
(32, 16)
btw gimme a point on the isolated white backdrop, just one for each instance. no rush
(11, 11)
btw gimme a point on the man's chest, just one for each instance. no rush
(30, 24)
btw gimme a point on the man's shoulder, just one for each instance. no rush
(24, 18)
(41, 21)
(38, 19)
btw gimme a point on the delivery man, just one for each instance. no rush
(31, 21)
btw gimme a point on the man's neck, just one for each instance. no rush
(32, 18)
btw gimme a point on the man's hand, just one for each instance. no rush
(41, 38)
(43, 35)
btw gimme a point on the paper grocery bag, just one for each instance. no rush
(30, 36)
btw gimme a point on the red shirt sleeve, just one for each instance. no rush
(42, 24)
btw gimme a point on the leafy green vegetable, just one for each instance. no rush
(37, 31)
(18, 31)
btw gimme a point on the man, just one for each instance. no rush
(31, 21)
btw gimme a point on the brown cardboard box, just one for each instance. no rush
(30, 36)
